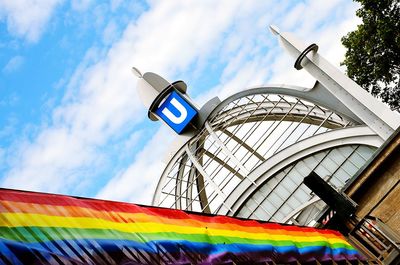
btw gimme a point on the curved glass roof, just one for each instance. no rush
(244, 132)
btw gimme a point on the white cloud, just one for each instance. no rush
(13, 64)
(27, 18)
(172, 38)
(138, 182)
(102, 101)
(110, 32)
(258, 60)
(132, 140)
(50, 163)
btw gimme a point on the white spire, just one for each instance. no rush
(371, 111)
(136, 72)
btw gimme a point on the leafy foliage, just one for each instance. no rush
(373, 50)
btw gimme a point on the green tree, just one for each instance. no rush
(373, 50)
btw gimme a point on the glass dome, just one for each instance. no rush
(254, 150)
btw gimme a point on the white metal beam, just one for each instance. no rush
(370, 110)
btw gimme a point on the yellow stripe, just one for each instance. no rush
(21, 219)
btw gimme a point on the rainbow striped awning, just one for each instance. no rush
(39, 228)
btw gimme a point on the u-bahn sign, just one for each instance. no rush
(176, 112)
(166, 101)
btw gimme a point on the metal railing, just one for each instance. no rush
(376, 240)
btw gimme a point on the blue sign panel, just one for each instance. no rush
(176, 112)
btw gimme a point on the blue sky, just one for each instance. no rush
(70, 119)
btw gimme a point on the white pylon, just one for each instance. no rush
(370, 110)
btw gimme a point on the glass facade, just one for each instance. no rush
(246, 131)
(280, 198)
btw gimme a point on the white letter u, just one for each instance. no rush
(176, 119)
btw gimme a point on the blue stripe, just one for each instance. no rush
(8, 254)
(80, 246)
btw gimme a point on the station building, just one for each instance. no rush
(248, 155)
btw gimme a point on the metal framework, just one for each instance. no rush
(246, 161)
(254, 149)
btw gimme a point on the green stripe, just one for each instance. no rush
(42, 234)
